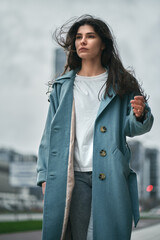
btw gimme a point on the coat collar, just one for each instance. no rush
(104, 102)
(69, 75)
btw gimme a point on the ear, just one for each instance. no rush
(103, 46)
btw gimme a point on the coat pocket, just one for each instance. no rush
(51, 175)
(121, 162)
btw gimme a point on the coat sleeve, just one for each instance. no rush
(43, 152)
(133, 127)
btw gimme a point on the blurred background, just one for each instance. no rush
(29, 58)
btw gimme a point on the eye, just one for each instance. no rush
(78, 37)
(91, 36)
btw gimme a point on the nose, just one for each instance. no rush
(83, 41)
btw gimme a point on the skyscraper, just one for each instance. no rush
(60, 61)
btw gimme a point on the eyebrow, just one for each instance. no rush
(86, 33)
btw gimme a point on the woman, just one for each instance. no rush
(83, 161)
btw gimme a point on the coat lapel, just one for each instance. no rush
(105, 101)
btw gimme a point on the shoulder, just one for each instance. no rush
(61, 83)
(69, 75)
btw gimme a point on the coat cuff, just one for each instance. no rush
(41, 177)
(136, 127)
(146, 117)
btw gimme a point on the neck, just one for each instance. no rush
(91, 68)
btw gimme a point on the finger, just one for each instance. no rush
(137, 101)
(43, 187)
(139, 98)
(44, 190)
(137, 104)
(137, 113)
(138, 107)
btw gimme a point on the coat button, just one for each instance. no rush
(103, 129)
(102, 176)
(103, 153)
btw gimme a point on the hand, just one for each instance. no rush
(138, 105)
(43, 187)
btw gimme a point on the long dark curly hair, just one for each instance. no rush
(122, 80)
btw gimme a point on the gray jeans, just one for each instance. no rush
(80, 209)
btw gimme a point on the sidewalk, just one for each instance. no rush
(149, 233)
(35, 235)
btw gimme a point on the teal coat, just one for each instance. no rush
(114, 198)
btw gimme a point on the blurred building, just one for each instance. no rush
(146, 163)
(153, 163)
(60, 61)
(18, 190)
(137, 163)
(5, 157)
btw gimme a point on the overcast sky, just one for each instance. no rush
(27, 59)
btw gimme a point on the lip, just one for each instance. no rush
(83, 49)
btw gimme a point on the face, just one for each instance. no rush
(88, 43)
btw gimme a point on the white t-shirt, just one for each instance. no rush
(85, 91)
